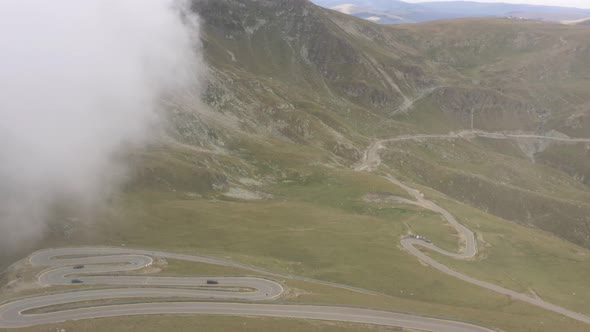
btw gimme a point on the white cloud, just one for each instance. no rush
(79, 81)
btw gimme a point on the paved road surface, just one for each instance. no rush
(371, 162)
(100, 263)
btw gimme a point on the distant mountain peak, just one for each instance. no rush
(395, 11)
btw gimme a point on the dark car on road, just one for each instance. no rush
(212, 282)
(78, 267)
(77, 281)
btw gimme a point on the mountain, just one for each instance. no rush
(479, 9)
(428, 11)
(294, 89)
(478, 114)
(326, 84)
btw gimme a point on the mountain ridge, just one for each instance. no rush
(388, 11)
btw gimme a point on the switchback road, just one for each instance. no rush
(100, 264)
(371, 162)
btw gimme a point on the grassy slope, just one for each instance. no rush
(339, 74)
(497, 69)
(523, 259)
(572, 159)
(354, 243)
(505, 185)
(525, 73)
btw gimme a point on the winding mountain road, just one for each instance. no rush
(103, 266)
(100, 263)
(371, 159)
(371, 162)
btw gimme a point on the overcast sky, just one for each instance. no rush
(565, 3)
